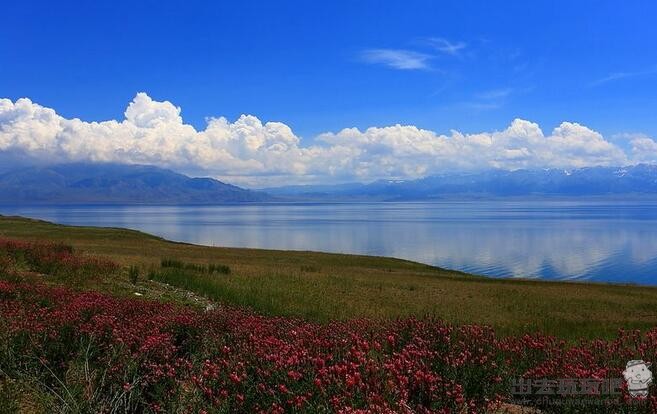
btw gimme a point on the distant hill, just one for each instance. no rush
(319, 190)
(116, 183)
(638, 179)
(138, 184)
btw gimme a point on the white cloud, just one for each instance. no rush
(397, 58)
(495, 94)
(147, 113)
(624, 75)
(250, 152)
(445, 46)
(644, 149)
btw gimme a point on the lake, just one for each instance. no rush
(599, 240)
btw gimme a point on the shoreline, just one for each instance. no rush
(352, 255)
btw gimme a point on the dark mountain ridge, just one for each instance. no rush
(116, 183)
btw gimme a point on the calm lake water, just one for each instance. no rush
(576, 240)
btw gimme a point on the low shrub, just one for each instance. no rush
(199, 268)
(177, 264)
(218, 268)
(133, 274)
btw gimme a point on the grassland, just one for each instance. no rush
(321, 286)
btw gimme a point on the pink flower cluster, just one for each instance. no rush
(177, 358)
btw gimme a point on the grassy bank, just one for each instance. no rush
(321, 286)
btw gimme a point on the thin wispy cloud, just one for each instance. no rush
(406, 59)
(482, 105)
(495, 94)
(445, 46)
(495, 98)
(624, 75)
(400, 59)
(490, 99)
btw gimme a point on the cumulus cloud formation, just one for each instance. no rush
(644, 149)
(250, 152)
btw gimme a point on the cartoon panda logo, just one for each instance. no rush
(638, 377)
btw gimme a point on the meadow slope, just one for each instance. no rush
(322, 287)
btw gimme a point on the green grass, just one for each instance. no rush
(210, 268)
(322, 286)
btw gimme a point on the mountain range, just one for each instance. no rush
(637, 179)
(138, 184)
(116, 183)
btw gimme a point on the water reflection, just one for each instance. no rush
(596, 240)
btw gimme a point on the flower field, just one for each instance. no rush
(86, 351)
(55, 259)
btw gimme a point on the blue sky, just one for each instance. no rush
(321, 67)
